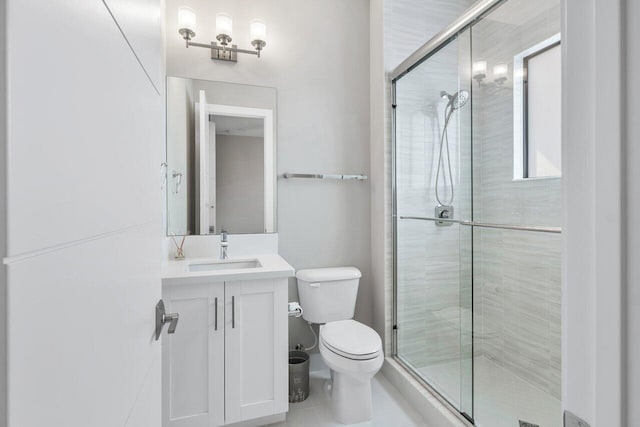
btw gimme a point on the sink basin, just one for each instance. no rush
(223, 265)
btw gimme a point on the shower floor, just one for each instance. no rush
(502, 399)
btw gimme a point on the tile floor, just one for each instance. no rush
(502, 399)
(389, 407)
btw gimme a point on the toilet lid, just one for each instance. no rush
(351, 339)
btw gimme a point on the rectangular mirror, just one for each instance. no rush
(221, 154)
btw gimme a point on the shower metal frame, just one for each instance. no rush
(465, 21)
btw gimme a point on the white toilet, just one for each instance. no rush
(352, 351)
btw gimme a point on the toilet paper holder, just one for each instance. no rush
(295, 310)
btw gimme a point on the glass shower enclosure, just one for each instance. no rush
(476, 215)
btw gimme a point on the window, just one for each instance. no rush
(537, 111)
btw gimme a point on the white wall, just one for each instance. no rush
(380, 180)
(85, 142)
(595, 239)
(633, 212)
(317, 58)
(3, 221)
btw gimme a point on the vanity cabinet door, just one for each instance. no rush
(256, 342)
(193, 357)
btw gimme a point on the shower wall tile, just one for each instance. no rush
(429, 296)
(408, 24)
(520, 323)
(498, 198)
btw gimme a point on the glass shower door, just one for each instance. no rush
(433, 265)
(477, 214)
(517, 208)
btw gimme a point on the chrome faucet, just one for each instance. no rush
(224, 244)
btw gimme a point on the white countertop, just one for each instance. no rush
(272, 266)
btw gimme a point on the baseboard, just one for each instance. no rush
(263, 421)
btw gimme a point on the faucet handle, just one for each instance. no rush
(223, 244)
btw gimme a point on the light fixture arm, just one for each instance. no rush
(224, 53)
(214, 46)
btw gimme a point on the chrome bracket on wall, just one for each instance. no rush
(221, 54)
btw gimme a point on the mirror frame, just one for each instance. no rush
(269, 153)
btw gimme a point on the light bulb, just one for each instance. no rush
(224, 24)
(186, 18)
(186, 22)
(479, 69)
(258, 30)
(500, 72)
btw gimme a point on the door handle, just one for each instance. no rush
(163, 317)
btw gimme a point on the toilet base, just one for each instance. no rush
(349, 398)
(350, 385)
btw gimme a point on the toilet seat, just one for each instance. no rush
(351, 339)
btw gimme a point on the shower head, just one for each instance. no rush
(457, 100)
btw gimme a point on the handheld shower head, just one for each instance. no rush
(460, 99)
(454, 102)
(457, 100)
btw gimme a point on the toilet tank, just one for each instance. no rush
(328, 294)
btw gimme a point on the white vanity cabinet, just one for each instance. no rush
(227, 361)
(193, 357)
(256, 342)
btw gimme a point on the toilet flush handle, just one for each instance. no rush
(314, 285)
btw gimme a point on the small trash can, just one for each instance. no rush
(298, 376)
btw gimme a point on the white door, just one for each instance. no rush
(256, 378)
(202, 162)
(193, 357)
(83, 207)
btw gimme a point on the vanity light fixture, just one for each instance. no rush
(479, 70)
(224, 33)
(500, 72)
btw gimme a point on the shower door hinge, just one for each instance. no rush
(394, 106)
(395, 327)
